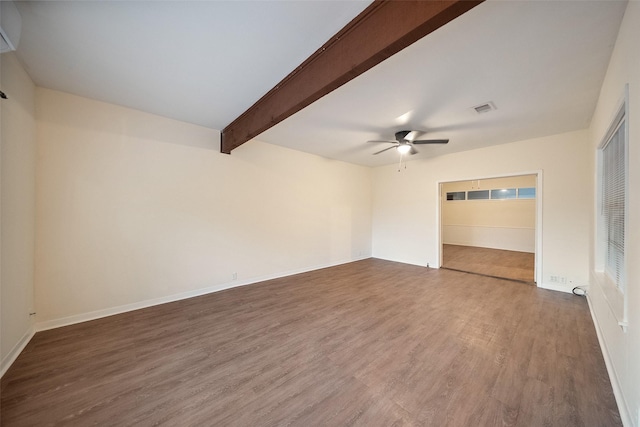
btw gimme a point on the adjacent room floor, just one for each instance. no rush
(367, 343)
(491, 262)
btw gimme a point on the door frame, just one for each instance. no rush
(538, 232)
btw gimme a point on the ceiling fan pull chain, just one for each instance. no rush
(400, 163)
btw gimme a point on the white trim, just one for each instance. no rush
(613, 377)
(16, 350)
(567, 288)
(486, 177)
(439, 229)
(538, 252)
(408, 263)
(621, 111)
(610, 290)
(93, 315)
(614, 298)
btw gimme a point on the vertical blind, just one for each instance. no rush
(613, 203)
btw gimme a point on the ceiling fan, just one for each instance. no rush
(405, 144)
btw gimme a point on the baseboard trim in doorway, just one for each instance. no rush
(489, 275)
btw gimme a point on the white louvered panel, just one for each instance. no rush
(613, 203)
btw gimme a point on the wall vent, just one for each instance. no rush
(484, 108)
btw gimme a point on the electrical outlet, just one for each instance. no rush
(559, 279)
(234, 276)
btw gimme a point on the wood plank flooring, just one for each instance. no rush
(371, 343)
(491, 262)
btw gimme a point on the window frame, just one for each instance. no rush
(612, 243)
(527, 197)
(507, 191)
(490, 194)
(616, 296)
(487, 192)
(453, 199)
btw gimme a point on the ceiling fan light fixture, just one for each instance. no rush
(403, 148)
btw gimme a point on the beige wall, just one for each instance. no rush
(405, 204)
(18, 200)
(507, 224)
(134, 209)
(622, 348)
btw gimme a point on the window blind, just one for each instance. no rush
(613, 203)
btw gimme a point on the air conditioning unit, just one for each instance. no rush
(10, 26)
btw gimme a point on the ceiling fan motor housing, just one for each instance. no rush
(404, 145)
(401, 135)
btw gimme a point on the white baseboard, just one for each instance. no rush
(98, 314)
(16, 350)
(429, 264)
(557, 287)
(627, 421)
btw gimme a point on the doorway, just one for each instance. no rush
(490, 226)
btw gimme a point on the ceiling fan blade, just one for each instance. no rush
(413, 150)
(431, 141)
(382, 151)
(383, 140)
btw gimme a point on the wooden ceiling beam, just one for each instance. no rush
(384, 28)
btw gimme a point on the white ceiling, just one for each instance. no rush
(202, 62)
(540, 62)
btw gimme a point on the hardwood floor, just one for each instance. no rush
(371, 343)
(491, 262)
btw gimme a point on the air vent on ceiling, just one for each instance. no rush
(484, 108)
